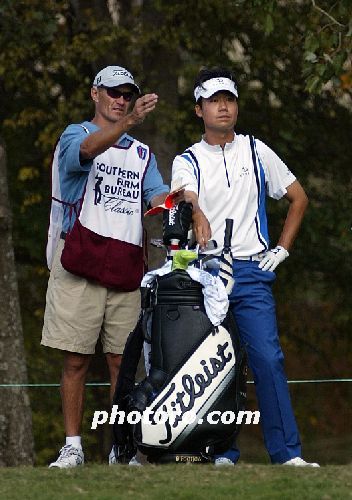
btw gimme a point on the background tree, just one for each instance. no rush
(16, 439)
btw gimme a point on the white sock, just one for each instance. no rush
(74, 441)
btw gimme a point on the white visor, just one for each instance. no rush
(214, 85)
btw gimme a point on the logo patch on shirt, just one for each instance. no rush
(142, 152)
(244, 171)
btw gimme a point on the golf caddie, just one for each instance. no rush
(101, 178)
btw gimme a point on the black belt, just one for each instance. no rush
(63, 235)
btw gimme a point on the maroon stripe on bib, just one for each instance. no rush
(110, 262)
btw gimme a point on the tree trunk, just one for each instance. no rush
(161, 64)
(16, 439)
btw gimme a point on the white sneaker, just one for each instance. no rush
(69, 457)
(223, 462)
(299, 462)
(135, 462)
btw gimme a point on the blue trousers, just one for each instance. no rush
(253, 307)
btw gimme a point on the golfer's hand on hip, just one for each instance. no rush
(273, 258)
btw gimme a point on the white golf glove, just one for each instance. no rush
(273, 258)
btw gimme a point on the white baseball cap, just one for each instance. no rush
(113, 76)
(214, 85)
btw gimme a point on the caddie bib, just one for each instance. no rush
(106, 241)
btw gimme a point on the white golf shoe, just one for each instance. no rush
(299, 462)
(223, 462)
(134, 462)
(69, 456)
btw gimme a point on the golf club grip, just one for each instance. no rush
(228, 235)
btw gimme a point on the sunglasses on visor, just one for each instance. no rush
(116, 94)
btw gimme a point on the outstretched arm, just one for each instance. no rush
(99, 141)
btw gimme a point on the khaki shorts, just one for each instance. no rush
(78, 312)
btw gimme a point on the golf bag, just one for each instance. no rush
(186, 408)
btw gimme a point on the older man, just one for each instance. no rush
(103, 176)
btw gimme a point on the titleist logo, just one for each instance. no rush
(172, 216)
(192, 388)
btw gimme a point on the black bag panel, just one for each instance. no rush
(122, 434)
(230, 324)
(179, 304)
(179, 285)
(147, 390)
(172, 338)
(171, 357)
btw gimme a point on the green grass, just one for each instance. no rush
(247, 481)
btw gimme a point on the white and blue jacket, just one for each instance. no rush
(232, 182)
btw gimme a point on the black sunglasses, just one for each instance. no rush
(116, 94)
